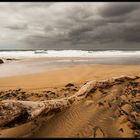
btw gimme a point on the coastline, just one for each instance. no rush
(61, 76)
(100, 108)
(14, 67)
(70, 70)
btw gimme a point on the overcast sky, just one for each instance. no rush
(77, 25)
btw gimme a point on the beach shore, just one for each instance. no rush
(82, 118)
(61, 76)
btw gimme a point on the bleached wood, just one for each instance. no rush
(36, 108)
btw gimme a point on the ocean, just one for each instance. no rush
(68, 53)
(26, 62)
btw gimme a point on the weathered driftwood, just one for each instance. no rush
(12, 109)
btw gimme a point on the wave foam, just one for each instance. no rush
(67, 53)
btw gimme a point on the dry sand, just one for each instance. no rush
(77, 75)
(109, 112)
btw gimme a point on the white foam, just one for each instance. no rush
(67, 53)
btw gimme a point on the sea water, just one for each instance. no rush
(68, 53)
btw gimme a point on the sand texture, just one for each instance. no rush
(58, 78)
(83, 101)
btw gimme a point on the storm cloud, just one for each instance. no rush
(60, 25)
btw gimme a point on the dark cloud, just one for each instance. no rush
(118, 9)
(72, 25)
(17, 27)
(131, 33)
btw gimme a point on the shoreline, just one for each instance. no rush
(59, 77)
(38, 65)
(98, 108)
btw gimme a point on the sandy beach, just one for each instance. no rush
(58, 77)
(69, 70)
(89, 117)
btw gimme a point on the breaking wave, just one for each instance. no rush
(67, 53)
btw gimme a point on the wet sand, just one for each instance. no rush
(36, 65)
(59, 77)
(117, 105)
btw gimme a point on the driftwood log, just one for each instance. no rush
(12, 109)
